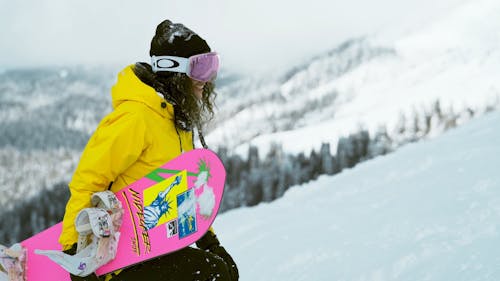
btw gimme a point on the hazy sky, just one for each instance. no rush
(251, 35)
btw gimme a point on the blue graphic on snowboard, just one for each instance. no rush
(186, 208)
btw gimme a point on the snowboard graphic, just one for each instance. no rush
(167, 210)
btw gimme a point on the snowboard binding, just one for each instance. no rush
(12, 263)
(98, 230)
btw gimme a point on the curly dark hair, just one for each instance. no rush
(177, 88)
(198, 112)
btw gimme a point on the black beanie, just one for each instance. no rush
(174, 39)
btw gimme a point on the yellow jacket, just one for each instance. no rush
(137, 137)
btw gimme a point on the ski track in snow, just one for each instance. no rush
(429, 211)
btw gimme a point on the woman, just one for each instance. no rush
(155, 108)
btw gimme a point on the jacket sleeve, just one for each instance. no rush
(116, 144)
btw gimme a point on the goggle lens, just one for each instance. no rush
(204, 67)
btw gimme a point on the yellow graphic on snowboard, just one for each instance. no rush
(160, 200)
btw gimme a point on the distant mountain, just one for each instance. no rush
(259, 106)
(370, 83)
(52, 107)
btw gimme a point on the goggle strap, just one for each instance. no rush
(170, 63)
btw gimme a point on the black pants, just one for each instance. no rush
(188, 264)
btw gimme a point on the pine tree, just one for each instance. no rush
(345, 151)
(327, 165)
(285, 177)
(315, 163)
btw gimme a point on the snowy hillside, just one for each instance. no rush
(430, 211)
(370, 82)
(46, 117)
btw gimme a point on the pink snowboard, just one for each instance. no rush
(167, 210)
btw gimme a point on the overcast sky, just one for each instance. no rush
(251, 35)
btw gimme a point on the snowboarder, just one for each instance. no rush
(156, 107)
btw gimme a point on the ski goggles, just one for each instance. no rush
(202, 67)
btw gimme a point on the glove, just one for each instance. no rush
(221, 252)
(210, 243)
(91, 277)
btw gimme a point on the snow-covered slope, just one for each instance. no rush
(430, 211)
(370, 82)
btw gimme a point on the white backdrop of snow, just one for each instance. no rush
(429, 211)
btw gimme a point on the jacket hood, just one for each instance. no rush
(130, 88)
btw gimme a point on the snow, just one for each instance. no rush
(429, 211)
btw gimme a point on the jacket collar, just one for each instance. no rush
(130, 88)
